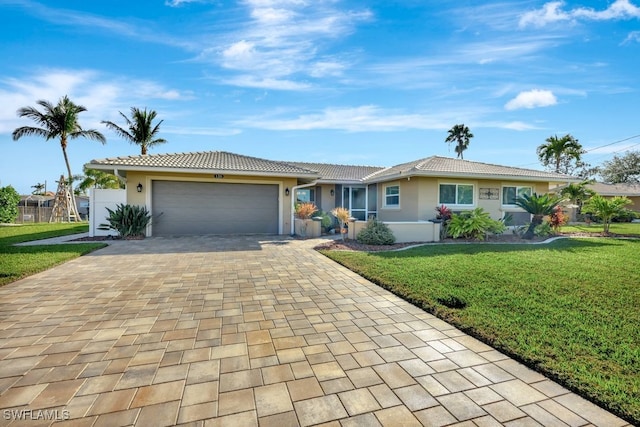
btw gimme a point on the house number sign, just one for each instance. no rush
(489, 193)
(218, 176)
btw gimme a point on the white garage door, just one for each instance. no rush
(198, 208)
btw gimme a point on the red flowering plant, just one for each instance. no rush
(557, 219)
(444, 215)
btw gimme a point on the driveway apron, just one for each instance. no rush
(248, 331)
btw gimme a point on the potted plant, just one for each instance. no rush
(304, 212)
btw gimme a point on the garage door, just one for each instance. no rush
(197, 208)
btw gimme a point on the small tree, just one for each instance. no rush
(9, 199)
(342, 215)
(606, 209)
(577, 194)
(539, 206)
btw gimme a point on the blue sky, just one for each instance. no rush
(353, 81)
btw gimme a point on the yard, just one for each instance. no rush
(20, 261)
(568, 309)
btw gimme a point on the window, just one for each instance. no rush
(305, 195)
(456, 194)
(511, 193)
(392, 196)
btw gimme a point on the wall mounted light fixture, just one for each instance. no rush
(332, 192)
(286, 191)
(139, 187)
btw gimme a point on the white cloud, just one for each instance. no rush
(619, 9)
(102, 95)
(553, 12)
(549, 13)
(178, 3)
(265, 83)
(532, 99)
(367, 118)
(283, 41)
(633, 36)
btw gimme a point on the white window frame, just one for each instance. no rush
(457, 205)
(385, 196)
(517, 187)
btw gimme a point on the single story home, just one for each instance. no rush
(218, 192)
(631, 191)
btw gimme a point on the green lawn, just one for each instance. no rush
(569, 309)
(20, 261)
(623, 228)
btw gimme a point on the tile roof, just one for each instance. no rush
(209, 160)
(221, 161)
(629, 190)
(450, 167)
(339, 173)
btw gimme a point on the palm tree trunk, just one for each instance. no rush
(63, 143)
(535, 221)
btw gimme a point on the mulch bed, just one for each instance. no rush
(105, 238)
(352, 245)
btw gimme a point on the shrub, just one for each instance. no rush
(376, 233)
(543, 230)
(305, 210)
(128, 220)
(474, 224)
(557, 219)
(326, 220)
(9, 199)
(625, 215)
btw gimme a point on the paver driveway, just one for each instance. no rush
(243, 331)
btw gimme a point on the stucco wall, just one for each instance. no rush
(419, 197)
(327, 201)
(405, 231)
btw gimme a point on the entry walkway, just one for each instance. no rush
(241, 331)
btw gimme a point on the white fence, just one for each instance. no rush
(99, 201)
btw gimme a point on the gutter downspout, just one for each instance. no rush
(293, 205)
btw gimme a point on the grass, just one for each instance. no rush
(622, 228)
(568, 309)
(17, 262)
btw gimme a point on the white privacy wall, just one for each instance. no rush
(99, 201)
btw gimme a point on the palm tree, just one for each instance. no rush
(38, 189)
(57, 121)
(558, 153)
(577, 194)
(539, 206)
(606, 208)
(94, 178)
(141, 130)
(461, 135)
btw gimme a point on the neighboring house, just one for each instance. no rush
(631, 191)
(225, 193)
(37, 208)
